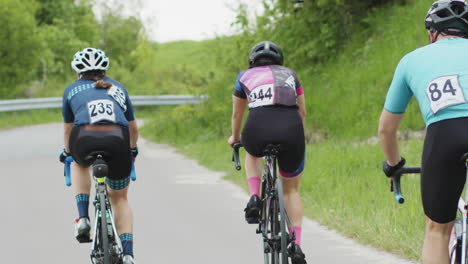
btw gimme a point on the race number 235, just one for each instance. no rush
(444, 91)
(101, 110)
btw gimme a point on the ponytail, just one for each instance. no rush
(97, 75)
(100, 84)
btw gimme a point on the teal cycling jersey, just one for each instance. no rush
(437, 75)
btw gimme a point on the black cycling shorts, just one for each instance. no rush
(276, 125)
(443, 172)
(116, 142)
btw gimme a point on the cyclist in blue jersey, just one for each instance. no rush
(437, 75)
(98, 116)
(275, 98)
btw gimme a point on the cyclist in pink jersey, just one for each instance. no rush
(276, 102)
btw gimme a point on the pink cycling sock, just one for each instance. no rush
(254, 185)
(298, 233)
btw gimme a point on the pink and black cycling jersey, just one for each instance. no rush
(268, 85)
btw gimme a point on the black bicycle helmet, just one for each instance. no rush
(266, 49)
(449, 17)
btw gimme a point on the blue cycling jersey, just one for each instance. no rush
(437, 75)
(84, 104)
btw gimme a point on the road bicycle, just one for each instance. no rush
(106, 246)
(458, 240)
(274, 224)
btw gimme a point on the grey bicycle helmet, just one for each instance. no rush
(449, 17)
(90, 59)
(266, 49)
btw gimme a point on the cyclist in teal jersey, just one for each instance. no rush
(98, 116)
(437, 75)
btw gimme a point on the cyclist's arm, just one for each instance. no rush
(67, 127)
(238, 108)
(388, 127)
(133, 128)
(301, 104)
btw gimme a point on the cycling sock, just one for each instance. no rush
(254, 185)
(82, 201)
(127, 243)
(298, 233)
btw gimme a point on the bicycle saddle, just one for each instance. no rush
(92, 156)
(271, 149)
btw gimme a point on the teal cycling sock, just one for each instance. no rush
(127, 243)
(82, 201)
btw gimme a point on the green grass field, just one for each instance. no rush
(343, 187)
(31, 117)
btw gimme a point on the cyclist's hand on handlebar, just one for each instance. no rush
(390, 170)
(232, 140)
(134, 152)
(63, 155)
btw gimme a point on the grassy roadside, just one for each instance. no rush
(43, 116)
(30, 117)
(343, 188)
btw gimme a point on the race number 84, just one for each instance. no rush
(445, 91)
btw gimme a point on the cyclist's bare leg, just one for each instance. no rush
(81, 179)
(253, 166)
(253, 169)
(292, 199)
(121, 209)
(436, 240)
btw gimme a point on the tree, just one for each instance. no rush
(20, 47)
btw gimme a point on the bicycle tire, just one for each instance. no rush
(103, 229)
(266, 232)
(263, 227)
(284, 236)
(275, 230)
(455, 251)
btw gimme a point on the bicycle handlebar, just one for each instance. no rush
(67, 172)
(395, 185)
(235, 155)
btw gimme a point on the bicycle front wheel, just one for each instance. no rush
(283, 233)
(103, 229)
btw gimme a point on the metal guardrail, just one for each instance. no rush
(56, 102)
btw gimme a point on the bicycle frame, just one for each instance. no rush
(271, 191)
(460, 235)
(268, 194)
(459, 232)
(270, 180)
(101, 189)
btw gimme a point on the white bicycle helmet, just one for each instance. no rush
(90, 59)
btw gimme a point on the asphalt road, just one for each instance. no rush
(183, 212)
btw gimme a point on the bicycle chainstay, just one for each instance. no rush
(269, 196)
(115, 247)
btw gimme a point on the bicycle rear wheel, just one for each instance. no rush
(103, 229)
(263, 227)
(270, 230)
(284, 235)
(275, 231)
